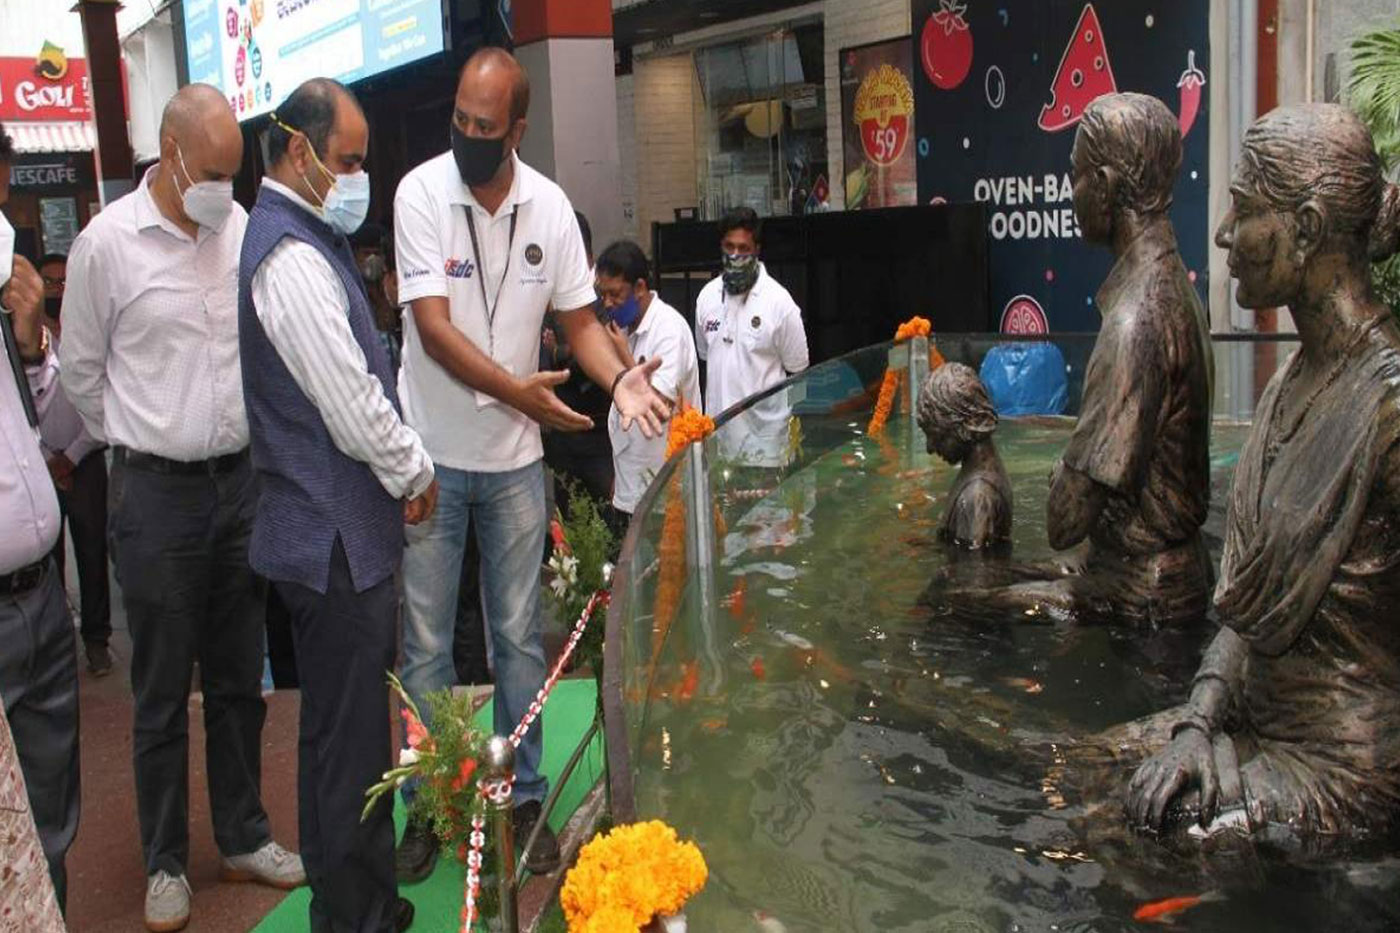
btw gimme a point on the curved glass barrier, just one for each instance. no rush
(851, 756)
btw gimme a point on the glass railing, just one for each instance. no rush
(768, 572)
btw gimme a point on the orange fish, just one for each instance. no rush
(1165, 911)
(758, 669)
(1024, 683)
(734, 602)
(690, 679)
(713, 725)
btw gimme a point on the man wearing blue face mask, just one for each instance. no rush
(643, 327)
(340, 474)
(149, 358)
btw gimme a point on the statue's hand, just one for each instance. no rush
(1186, 762)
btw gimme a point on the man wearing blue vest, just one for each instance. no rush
(340, 475)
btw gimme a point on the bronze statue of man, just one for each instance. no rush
(958, 421)
(1135, 478)
(1294, 717)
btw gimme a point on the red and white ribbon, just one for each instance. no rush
(497, 792)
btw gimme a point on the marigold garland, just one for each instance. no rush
(687, 426)
(884, 402)
(625, 878)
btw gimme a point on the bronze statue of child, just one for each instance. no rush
(958, 421)
(1134, 481)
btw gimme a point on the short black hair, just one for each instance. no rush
(585, 231)
(741, 218)
(310, 109)
(625, 259)
(371, 235)
(7, 146)
(52, 257)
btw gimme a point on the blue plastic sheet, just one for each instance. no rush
(1026, 379)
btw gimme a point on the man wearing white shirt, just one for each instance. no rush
(485, 244)
(749, 332)
(150, 360)
(78, 464)
(645, 327)
(38, 669)
(340, 474)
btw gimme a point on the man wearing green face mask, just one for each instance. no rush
(749, 332)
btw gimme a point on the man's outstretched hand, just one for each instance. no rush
(638, 402)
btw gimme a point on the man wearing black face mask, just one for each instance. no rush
(79, 469)
(485, 243)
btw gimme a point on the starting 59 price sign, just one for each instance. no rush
(1000, 88)
(877, 105)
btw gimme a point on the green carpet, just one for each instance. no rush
(438, 899)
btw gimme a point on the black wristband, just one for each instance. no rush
(616, 379)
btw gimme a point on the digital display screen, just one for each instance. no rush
(258, 51)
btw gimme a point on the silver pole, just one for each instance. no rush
(700, 556)
(918, 372)
(500, 766)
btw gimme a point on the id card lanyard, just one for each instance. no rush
(489, 307)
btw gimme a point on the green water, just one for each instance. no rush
(858, 762)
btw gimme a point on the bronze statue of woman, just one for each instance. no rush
(1294, 715)
(958, 421)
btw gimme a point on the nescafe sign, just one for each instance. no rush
(51, 173)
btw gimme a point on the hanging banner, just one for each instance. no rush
(999, 90)
(877, 125)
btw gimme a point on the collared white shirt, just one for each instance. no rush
(302, 306)
(662, 332)
(150, 331)
(750, 343)
(462, 428)
(29, 516)
(61, 428)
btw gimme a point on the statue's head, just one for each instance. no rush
(1308, 186)
(1127, 152)
(955, 412)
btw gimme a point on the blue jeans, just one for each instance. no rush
(508, 511)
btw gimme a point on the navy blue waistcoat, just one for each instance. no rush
(310, 491)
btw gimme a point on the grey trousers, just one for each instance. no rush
(181, 550)
(39, 686)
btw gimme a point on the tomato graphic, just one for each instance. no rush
(946, 45)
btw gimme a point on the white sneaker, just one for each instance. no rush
(271, 865)
(167, 902)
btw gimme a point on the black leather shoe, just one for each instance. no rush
(416, 855)
(543, 857)
(403, 914)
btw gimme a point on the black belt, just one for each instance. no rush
(151, 463)
(24, 579)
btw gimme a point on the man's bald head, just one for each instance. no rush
(497, 66)
(192, 109)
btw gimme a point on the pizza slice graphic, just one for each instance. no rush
(1084, 76)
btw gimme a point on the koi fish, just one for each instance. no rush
(758, 669)
(690, 680)
(1023, 683)
(713, 725)
(797, 641)
(1165, 911)
(734, 602)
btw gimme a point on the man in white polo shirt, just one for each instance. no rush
(645, 327)
(748, 330)
(485, 244)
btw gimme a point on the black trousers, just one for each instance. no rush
(84, 508)
(39, 687)
(181, 550)
(345, 646)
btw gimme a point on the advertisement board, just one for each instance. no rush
(999, 90)
(877, 125)
(258, 51)
(47, 87)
